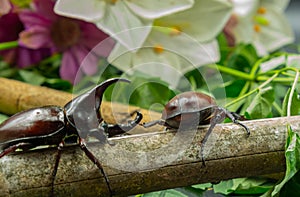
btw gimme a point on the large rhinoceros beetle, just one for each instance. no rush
(190, 109)
(52, 125)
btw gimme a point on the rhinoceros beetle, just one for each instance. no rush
(190, 109)
(52, 125)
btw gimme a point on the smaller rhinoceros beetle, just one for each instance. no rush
(53, 125)
(190, 109)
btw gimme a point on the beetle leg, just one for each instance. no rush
(218, 117)
(234, 117)
(118, 129)
(13, 148)
(91, 156)
(152, 123)
(53, 175)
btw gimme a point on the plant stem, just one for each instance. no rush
(8, 45)
(291, 94)
(254, 90)
(231, 71)
(278, 79)
(277, 107)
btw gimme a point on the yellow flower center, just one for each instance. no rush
(257, 28)
(260, 20)
(111, 1)
(65, 33)
(158, 48)
(176, 30)
(261, 10)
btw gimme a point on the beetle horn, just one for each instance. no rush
(84, 107)
(100, 89)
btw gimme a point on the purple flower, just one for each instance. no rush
(5, 7)
(10, 27)
(73, 38)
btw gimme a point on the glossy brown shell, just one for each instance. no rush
(185, 106)
(32, 125)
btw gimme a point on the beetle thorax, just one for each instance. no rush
(187, 102)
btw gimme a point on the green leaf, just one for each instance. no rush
(261, 105)
(165, 193)
(243, 186)
(227, 187)
(178, 192)
(295, 105)
(31, 77)
(292, 187)
(3, 117)
(291, 182)
(244, 56)
(203, 186)
(233, 88)
(58, 84)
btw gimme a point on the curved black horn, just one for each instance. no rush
(84, 110)
(100, 89)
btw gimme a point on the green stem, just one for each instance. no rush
(278, 79)
(254, 90)
(231, 71)
(277, 107)
(8, 45)
(291, 94)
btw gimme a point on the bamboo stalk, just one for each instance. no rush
(152, 161)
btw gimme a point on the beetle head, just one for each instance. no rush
(83, 112)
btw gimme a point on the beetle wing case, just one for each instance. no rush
(34, 124)
(187, 102)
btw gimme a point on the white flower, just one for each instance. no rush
(115, 16)
(177, 43)
(262, 23)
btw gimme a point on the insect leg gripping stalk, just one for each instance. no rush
(95, 161)
(219, 115)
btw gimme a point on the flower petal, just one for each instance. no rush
(35, 37)
(69, 67)
(123, 25)
(277, 34)
(86, 61)
(44, 8)
(272, 35)
(152, 9)
(88, 10)
(76, 62)
(179, 54)
(121, 57)
(27, 57)
(214, 15)
(185, 47)
(94, 37)
(31, 19)
(5, 7)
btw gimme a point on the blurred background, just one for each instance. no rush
(293, 15)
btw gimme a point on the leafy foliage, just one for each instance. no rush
(289, 186)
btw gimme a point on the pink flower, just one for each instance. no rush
(73, 38)
(5, 7)
(21, 56)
